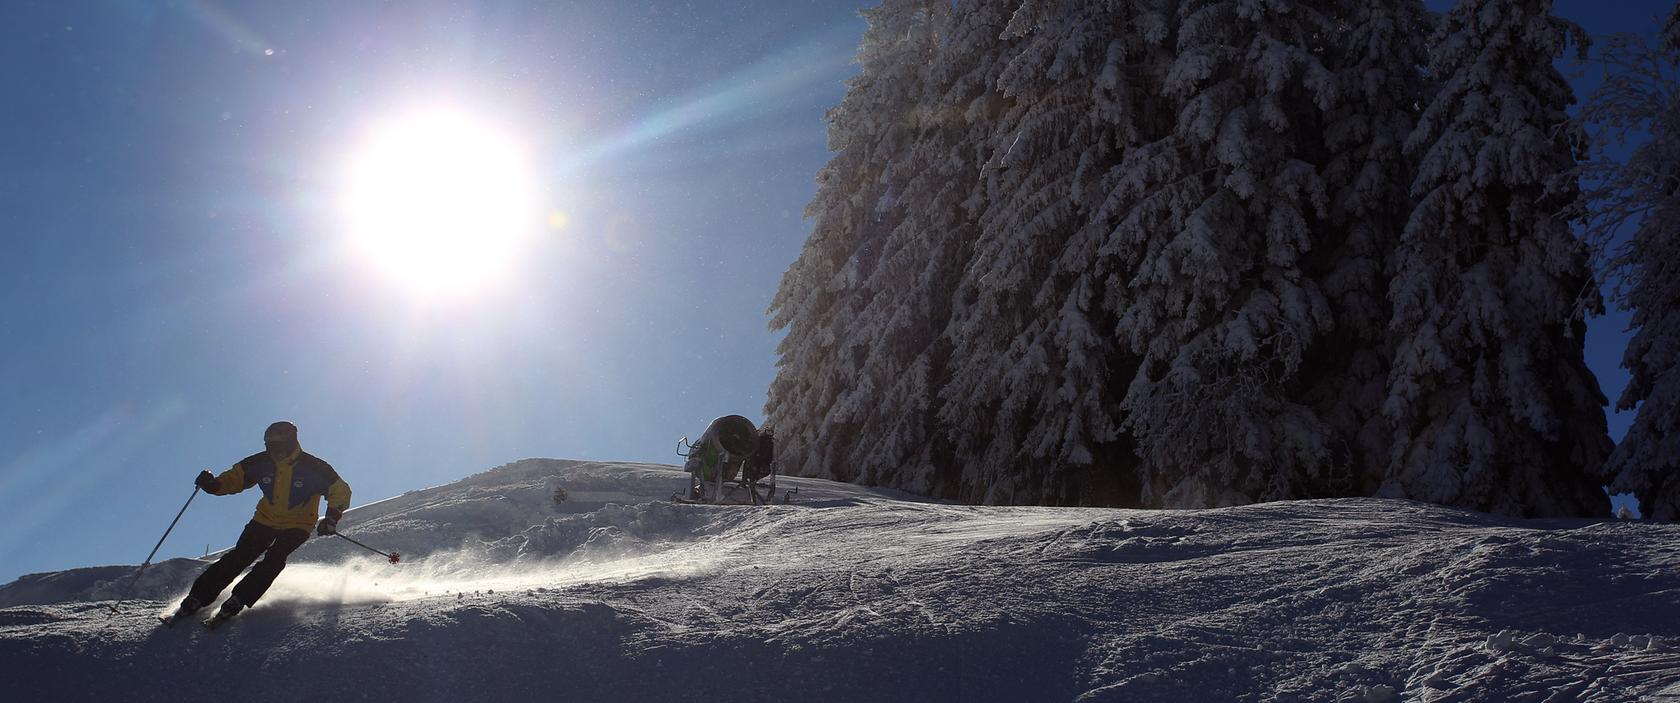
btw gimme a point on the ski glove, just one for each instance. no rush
(326, 527)
(207, 482)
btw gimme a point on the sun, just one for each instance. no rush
(440, 202)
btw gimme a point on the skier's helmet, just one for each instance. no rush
(281, 430)
(280, 438)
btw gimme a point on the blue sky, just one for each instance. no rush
(172, 280)
(173, 274)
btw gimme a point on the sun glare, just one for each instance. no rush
(441, 203)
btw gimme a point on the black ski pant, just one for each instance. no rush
(257, 540)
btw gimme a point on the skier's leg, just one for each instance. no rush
(256, 583)
(251, 544)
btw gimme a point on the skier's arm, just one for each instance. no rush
(229, 482)
(338, 499)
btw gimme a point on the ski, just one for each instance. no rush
(174, 616)
(187, 607)
(215, 621)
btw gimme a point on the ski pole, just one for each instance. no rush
(148, 561)
(392, 557)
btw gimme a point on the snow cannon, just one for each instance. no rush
(728, 463)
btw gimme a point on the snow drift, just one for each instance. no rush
(850, 593)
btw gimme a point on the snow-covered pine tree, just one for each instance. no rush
(818, 400)
(1379, 91)
(902, 329)
(1224, 213)
(1671, 30)
(1640, 94)
(1492, 401)
(1037, 370)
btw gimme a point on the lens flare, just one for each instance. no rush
(440, 202)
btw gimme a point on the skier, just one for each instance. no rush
(292, 483)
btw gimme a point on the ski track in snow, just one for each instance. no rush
(853, 593)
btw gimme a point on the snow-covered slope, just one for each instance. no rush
(853, 594)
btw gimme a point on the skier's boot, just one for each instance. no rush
(230, 608)
(189, 605)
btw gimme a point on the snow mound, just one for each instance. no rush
(615, 593)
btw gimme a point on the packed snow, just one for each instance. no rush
(847, 593)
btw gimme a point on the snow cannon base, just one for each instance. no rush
(741, 490)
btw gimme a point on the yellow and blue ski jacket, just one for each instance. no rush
(292, 488)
